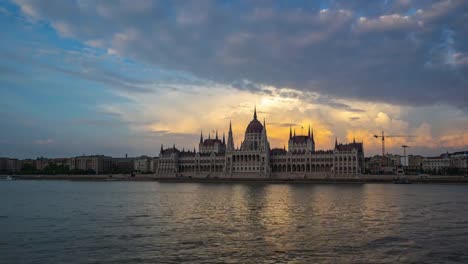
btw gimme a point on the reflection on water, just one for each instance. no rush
(135, 222)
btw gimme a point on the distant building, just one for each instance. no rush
(349, 158)
(41, 163)
(61, 161)
(96, 163)
(122, 165)
(211, 145)
(142, 164)
(301, 143)
(8, 165)
(415, 163)
(459, 160)
(395, 160)
(27, 163)
(374, 164)
(435, 164)
(154, 164)
(255, 159)
(383, 165)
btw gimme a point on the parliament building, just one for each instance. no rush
(254, 159)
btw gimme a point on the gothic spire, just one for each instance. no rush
(255, 112)
(354, 140)
(308, 134)
(230, 141)
(161, 151)
(264, 142)
(336, 142)
(216, 134)
(294, 132)
(201, 137)
(290, 132)
(224, 142)
(312, 136)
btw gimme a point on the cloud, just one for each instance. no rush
(307, 48)
(300, 64)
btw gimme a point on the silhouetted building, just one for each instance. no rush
(254, 158)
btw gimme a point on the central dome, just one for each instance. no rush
(254, 126)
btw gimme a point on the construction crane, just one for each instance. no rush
(383, 136)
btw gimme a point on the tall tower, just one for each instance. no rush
(264, 138)
(230, 141)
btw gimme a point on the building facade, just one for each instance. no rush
(8, 165)
(459, 160)
(254, 158)
(122, 165)
(142, 164)
(435, 164)
(96, 163)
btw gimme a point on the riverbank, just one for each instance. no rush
(366, 178)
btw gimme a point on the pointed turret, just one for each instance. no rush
(290, 132)
(173, 146)
(224, 142)
(216, 134)
(162, 149)
(194, 151)
(264, 138)
(312, 136)
(255, 112)
(354, 140)
(294, 132)
(336, 142)
(201, 137)
(308, 134)
(230, 141)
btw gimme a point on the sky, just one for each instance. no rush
(123, 77)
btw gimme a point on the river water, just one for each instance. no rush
(150, 222)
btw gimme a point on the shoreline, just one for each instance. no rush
(150, 177)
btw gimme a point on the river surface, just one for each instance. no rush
(150, 222)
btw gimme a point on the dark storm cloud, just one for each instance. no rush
(402, 52)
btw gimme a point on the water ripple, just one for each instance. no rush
(85, 222)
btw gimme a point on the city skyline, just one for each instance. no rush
(92, 78)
